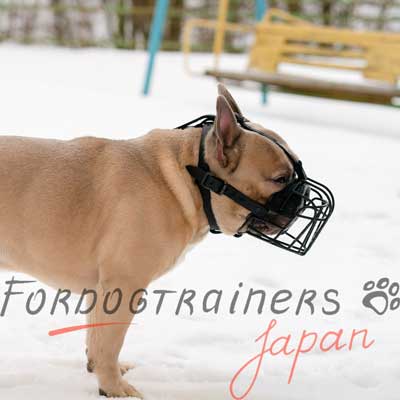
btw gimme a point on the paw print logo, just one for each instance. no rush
(381, 296)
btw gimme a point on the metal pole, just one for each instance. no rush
(156, 34)
(261, 7)
(219, 37)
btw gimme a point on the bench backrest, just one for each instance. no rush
(282, 38)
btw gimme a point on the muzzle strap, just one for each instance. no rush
(210, 183)
(205, 193)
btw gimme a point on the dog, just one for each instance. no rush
(104, 214)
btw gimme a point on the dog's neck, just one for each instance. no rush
(175, 150)
(189, 155)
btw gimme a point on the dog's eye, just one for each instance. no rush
(282, 180)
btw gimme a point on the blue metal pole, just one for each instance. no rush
(260, 10)
(156, 34)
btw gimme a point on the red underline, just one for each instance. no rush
(74, 328)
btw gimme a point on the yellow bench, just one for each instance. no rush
(283, 39)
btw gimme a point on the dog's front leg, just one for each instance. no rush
(124, 367)
(104, 343)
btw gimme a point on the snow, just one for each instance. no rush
(354, 148)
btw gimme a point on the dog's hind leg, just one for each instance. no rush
(104, 342)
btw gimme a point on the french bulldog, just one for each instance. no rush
(105, 214)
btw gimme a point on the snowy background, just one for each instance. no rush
(354, 148)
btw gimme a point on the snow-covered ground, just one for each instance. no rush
(354, 148)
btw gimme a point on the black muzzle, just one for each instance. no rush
(291, 219)
(295, 216)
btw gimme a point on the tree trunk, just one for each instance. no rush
(327, 7)
(60, 22)
(294, 7)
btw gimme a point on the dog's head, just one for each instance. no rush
(250, 162)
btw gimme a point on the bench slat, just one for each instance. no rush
(281, 41)
(382, 94)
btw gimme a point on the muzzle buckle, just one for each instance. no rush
(213, 183)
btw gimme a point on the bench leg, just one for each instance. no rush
(264, 93)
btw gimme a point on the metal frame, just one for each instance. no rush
(220, 26)
(156, 34)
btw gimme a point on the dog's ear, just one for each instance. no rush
(226, 131)
(223, 91)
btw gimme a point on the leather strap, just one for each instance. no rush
(208, 183)
(205, 193)
(211, 183)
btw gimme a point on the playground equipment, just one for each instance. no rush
(281, 38)
(158, 24)
(156, 33)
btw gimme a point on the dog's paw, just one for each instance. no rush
(121, 389)
(381, 296)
